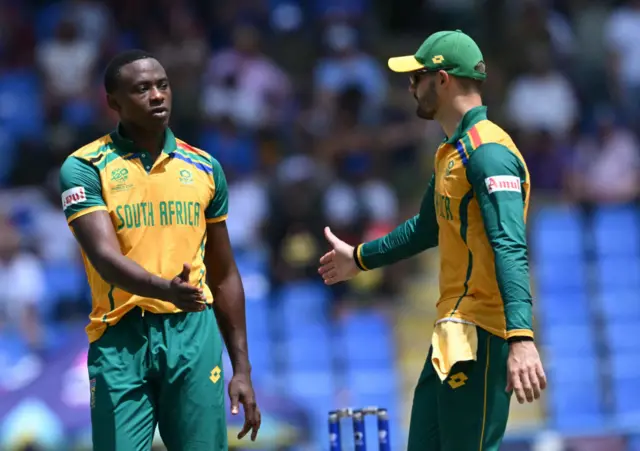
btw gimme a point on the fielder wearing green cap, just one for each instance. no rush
(474, 210)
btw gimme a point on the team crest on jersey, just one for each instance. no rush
(185, 177)
(119, 179)
(450, 166)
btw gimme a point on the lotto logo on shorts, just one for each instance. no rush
(503, 183)
(92, 385)
(73, 196)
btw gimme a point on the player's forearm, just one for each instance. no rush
(124, 273)
(504, 224)
(406, 240)
(229, 306)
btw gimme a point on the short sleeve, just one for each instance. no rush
(218, 208)
(81, 188)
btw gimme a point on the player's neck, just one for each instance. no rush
(151, 141)
(449, 116)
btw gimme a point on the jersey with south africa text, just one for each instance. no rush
(159, 211)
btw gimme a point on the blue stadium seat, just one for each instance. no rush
(563, 307)
(626, 385)
(304, 305)
(619, 273)
(558, 232)
(575, 393)
(308, 353)
(311, 385)
(622, 334)
(568, 340)
(25, 117)
(561, 274)
(368, 323)
(62, 281)
(615, 304)
(617, 231)
(368, 351)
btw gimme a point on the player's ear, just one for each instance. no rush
(444, 77)
(113, 103)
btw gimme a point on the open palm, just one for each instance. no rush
(337, 265)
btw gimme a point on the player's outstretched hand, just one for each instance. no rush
(184, 295)
(337, 265)
(525, 375)
(241, 391)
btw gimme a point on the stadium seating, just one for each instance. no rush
(617, 232)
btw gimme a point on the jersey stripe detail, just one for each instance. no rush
(464, 224)
(217, 219)
(194, 156)
(188, 160)
(108, 158)
(461, 151)
(86, 211)
(474, 136)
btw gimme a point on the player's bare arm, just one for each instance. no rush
(495, 175)
(95, 233)
(229, 305)
(415, 235)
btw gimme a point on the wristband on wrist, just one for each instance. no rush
(356, 258)
(519, 338)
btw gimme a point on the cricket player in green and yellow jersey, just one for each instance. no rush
(475, 210)
(148, 211)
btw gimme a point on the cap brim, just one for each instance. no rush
(404, 64)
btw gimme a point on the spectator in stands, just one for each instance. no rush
(547, 160)
(346, 65)
(22, 282)
(606, 166)
(529, 101)
(621, 36)
(244, 83)
(295, 210)
(68, 64)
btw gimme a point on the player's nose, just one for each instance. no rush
(156, 95)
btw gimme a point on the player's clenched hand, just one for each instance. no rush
(184, 295)
(241, 391)
(337, 265)
(525, 375)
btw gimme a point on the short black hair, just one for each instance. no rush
(112, 72)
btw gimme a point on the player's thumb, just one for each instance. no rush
(333, 240)
(186, 270)
(235, 401)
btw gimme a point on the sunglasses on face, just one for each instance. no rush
(417, 76)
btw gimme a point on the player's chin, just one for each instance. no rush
(423, 114)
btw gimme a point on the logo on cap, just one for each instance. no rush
(437, 59)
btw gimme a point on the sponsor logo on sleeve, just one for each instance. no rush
(73, 196)
(503, 183)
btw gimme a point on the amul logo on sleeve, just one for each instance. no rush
(503, 183)
(73, 196)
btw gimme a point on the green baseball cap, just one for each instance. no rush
(451, 51)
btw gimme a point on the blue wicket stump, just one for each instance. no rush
(359, 429)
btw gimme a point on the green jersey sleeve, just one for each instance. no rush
(408, 239)
(81, 188)
(496, 175)
(219, 206)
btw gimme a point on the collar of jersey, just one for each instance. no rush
(128, 146)
(470, 118)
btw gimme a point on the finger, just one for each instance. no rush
(516, 383)
(526, 385)
(186, 270)
(535, 383)
(246, 428)
(331, 275)
(327, 258)
(331, 238)
(256, 425)
(541, 376)
(190, 306)
(234, 398)
(324, 268)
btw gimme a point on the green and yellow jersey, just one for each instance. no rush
(475, 210)
(159, 210)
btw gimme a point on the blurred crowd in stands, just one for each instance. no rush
(293, 97)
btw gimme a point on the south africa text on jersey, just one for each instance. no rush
(165, 213)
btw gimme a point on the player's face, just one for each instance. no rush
(143, 96)
(424, 88)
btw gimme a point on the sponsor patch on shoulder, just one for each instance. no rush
(503, 183)
(73, 196)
